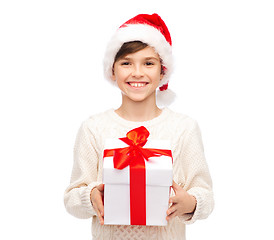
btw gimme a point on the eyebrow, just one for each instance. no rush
(147, 58)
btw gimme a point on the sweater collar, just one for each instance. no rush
(127, 123)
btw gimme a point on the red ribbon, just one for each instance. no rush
(133, 156)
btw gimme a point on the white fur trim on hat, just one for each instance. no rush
(164, 98)
(146, 34)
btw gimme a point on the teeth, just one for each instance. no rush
(133, 84)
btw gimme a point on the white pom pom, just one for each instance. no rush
(165, 98)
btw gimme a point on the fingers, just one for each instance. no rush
(171, 212)
(173, 199)
(172, 209)
(177, 190)
(100, 211)
(172, 215)
(100, 187)
(176, 186)
(97, 202)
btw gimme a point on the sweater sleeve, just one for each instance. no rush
(84, 175)
(197, 180)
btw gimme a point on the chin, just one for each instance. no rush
(139, 98)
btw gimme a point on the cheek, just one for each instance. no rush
(121, 74)
(119, 77)
(157, 76)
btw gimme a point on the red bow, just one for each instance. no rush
(134, 156)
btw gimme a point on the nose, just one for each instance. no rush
(137, 71)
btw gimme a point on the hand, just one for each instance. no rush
(182, 202)
(96, 198)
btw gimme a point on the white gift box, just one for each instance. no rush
(117, 186)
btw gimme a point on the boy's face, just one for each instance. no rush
(138, 74)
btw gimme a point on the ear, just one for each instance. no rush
(161, 76)
(113, 78)
(162, 72)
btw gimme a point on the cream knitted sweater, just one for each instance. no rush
(190, 170)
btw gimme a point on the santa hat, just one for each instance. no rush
(152, 30)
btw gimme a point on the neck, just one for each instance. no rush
(138, 111)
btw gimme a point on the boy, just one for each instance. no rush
(139, 60)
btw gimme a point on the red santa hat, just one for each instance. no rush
(152, 30)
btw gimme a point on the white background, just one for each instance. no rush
(51, 80)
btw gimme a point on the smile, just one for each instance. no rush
(137, 84)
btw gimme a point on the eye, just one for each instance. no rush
(149, 63)
(126, 63)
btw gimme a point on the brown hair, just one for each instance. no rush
(132, 47)
(128, 48)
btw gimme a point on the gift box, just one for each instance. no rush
(137, 173)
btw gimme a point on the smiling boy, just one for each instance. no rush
(139, 60)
